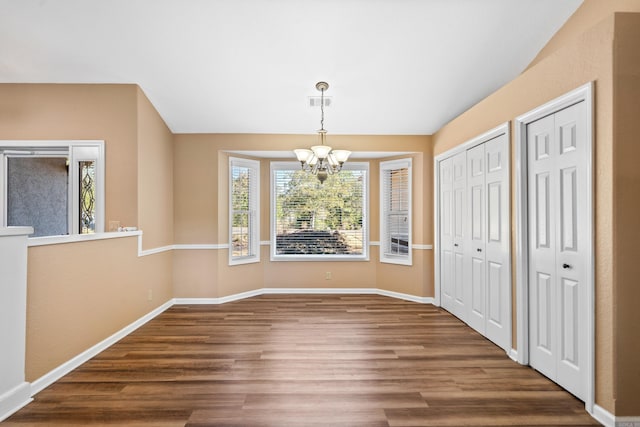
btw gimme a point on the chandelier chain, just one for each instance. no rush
(322, 109)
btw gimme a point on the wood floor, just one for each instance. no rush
(304, 360)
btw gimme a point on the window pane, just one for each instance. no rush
(319, 219)
(241, 236)
(37, 194)
(398, 234)
(87, 197)
(242, 211)
(395, 215)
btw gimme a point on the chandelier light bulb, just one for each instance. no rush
(341, 156)
(303, 154)
(322, 151)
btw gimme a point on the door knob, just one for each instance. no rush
(566, 266)
(455, 244)
(479, 250)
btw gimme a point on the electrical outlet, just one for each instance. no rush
(327, 275)
(150, 295)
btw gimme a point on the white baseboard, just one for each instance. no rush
(308, 291)
(302, 291)
(603, 416)
(513, 354)
(194, 301)
(305, 291)
(215, 301)
(609, 420)
(407, 297)
(54, 375)
(14, 399)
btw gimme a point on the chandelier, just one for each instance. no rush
(321, 160)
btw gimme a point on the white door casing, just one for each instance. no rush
(554, 252)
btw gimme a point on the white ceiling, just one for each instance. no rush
(223, 66)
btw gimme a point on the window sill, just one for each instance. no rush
(397, 260)
(243, 261)
(316, 258)
(75, 238)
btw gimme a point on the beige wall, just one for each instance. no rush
(78, 294)
(101, 112)
(81, 293)
(155, 176)
(580, 55)
(626, 224)
(201, 216)
(590, 13)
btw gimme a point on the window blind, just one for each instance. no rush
(395, 236)
(319, 220)
(243, 216)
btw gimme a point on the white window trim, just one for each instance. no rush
(365, 216)
(254, 227)
(389, 258)
(77, 151)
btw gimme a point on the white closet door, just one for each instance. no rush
(542, 250)
(572, 253)
(496, 249)
(446, 234)
(460, 308)
(476, 217)
(488, 276)
(557, 256)
(475, 277)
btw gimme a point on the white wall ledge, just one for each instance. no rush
(15, 231)
(75, 238)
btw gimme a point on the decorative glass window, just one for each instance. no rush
(244, 211)
(395, 212)
(314, 221)
(87, 199)
(56, 187)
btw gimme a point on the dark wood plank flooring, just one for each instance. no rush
(304, 360)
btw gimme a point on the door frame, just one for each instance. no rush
(502, 129)
(582, 94)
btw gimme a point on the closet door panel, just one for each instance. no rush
(496, 250)
(446, 233)
(460, 260)
(542, 248)
(571, 252)
(476, 219)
